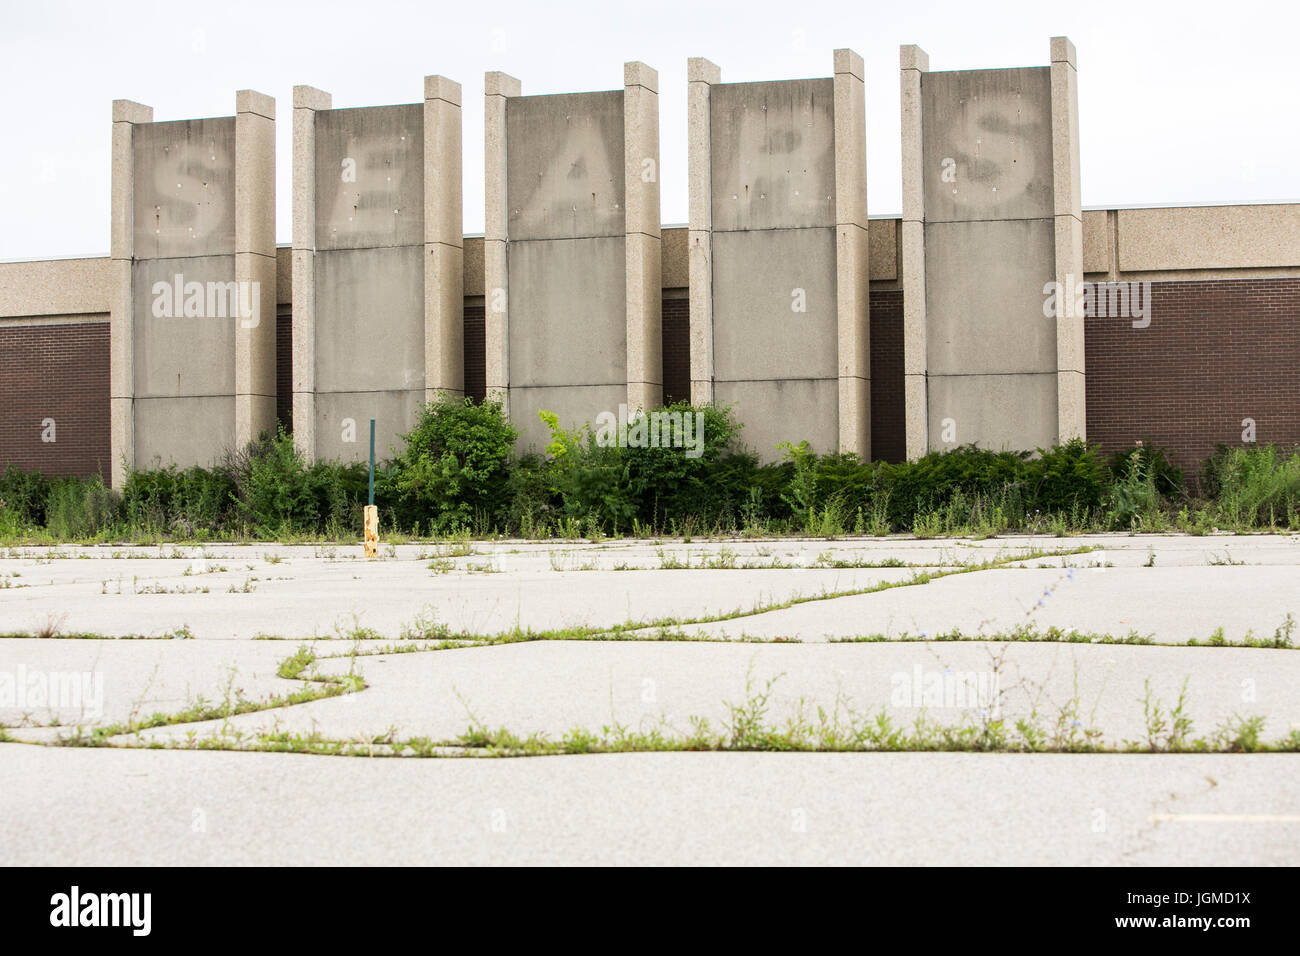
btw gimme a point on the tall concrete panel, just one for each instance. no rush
(991, 219)
(572, 252)
(378, 321)
(193, 259)
(779, 256)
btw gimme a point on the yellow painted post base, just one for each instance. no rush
(372, 531)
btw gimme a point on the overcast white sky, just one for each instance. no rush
(1179, 102)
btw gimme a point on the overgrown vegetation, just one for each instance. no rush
(458, 473)
(1036, 725)
(748, 725)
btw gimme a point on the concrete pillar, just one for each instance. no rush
(444, 299)
(307, 101)
(380, 272)
(126, 115)
(255, 383)
(700, 76)
(913, 61)
(1071, 412)
(645, 378)
(852, 268)
(991, 221)
(497, 87)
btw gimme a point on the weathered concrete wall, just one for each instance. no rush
(993, 178)
(779, 249)
(378, 265)
(773, 199)
(1206, 237)
(192, 281)
(183, 215)
(567, 279)
(369, 277)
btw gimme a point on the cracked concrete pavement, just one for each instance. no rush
(564, 809)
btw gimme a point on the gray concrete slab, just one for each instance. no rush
(769, 406)
(184, 431)
(305, 597)
(774, 313)
(1169, 605)
(370, 179)
(999, 411)
(1196, 584)
(343, 422)
(984, 286)
(555, 687)
(566, 338)
(564, 168)
(130, 804)
(773, 154)
(77, 807)
(996, 128)
(58, 684)
(184, 188)
(179, 354)
(370, 328)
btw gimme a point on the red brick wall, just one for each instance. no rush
(677, 350)
(1216, 352)
(888, 443)
(59, 372)
(284, 366)
(475, 353)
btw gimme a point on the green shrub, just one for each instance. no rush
(1134, 498)
(801, 490)
(855, 485)
(1167, 478)
(666, 484)
(180, 502)
(273, 490)
(595, 479)
(528, 504)
(737, 491)
(590, 481)
(454, 468)
(81, 508)
(458, 474)
(1257, 486)
(339, 493)
(929, 483)
(24, 495)
(1066, 478)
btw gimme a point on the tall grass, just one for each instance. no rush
(458, 475)
(1256, 487)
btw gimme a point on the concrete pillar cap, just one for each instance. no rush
(700, 70)
(496, 83)
(912, 57)
(1063, 51)
(441, 88)
(251, 101)
(310, 98)
(846, 61)
(636, 73)
(129, 111)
